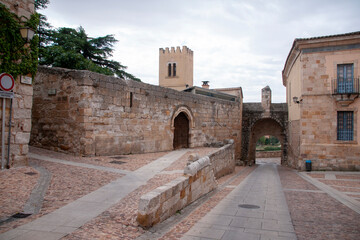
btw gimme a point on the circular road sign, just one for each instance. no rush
(6, 82)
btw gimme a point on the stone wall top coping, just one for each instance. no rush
(85, 77)
(256, 107)
(223, 148)
(196, 166)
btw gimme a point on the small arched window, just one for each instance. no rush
(169, 69)
(174, 69)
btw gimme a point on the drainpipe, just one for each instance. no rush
(8, 153)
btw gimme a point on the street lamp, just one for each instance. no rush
(27, 33)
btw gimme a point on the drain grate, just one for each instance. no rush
(21, 215)
(30, 173)
(117, 162)
(249, 206)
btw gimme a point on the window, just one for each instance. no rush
(169, 69)
(131, 99)
(174, 69)
(345, 78)
(345, 126)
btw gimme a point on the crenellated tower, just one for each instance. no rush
(176, 68)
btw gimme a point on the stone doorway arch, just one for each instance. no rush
(266, 126)
(181, 131)
(182, 118)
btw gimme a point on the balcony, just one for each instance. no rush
(345, 90)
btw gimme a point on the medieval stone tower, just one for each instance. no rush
(176, 68)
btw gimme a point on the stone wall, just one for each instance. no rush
(92, 114)
(20, 7)
(22, 103)
(319, 136)
(268, 154)
(20, 124)
(199, 179)
(223, 160)
(294, 143)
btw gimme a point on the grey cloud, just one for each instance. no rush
(235, 42)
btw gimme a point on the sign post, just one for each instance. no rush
(6, 85)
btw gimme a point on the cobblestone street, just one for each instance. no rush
(315, 212)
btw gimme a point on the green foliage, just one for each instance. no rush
(41, 4)
(44, 28)
(268, 141)
(16, 57)
(72, 48)
(272, 148)
(261, 141)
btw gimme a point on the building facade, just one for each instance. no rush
(176, 68)
(321, 76)
(17, 144)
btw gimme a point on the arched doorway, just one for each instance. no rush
(266, 126)
(268, 150)
(181, 131)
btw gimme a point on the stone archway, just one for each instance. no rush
(182, 123)
(266, 126)
(181, 131)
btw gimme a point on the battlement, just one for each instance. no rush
(177, 51)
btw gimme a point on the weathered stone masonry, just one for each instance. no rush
(92, 114)
(257, 122)
(22, 102)
(199, 179)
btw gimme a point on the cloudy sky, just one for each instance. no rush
(235, 42)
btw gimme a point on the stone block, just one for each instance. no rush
(165, 191)
(22, 138)
(194, 167)
(192, 158)
(149, 202)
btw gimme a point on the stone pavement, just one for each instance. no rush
(70, 217)
(338, 195)
(316, 210)
(34, 203)
(255, 209)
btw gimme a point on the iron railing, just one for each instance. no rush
(346, 86)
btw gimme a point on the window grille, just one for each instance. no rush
(345, 126)
(345, 78)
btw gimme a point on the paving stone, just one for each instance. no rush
(271, 237)
(236, 235)
(216, 219)
(206, 232)
(239, 222)
(278, 227)
(224, 210)
(13, 234)
(259, 188)
(36, 235)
